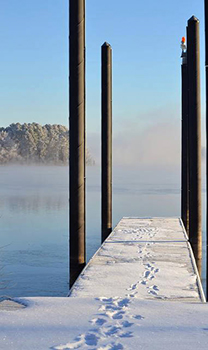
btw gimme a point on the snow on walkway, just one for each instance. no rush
(139, 291)
(145, 259)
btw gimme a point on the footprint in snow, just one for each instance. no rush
(138, 317)
(98, 321)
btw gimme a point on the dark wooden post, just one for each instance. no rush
(193, 61)
(77, 137)
(106, 140)
(206, 68)
(184, 143)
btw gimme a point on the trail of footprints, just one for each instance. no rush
(146, 281)
(141, 233)
(112, 323)
(150, 271)
(114, 318)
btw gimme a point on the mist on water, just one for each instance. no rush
(35, 205)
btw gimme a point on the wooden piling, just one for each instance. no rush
(193, 61)
(184, 144)
(206, 69)
(77, 137)
(106, 179)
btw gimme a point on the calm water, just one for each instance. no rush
(34, 220)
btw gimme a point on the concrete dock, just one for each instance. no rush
(141, 290)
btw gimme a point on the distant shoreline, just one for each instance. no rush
(34, 144)
(41, 164)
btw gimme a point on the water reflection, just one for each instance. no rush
(33, 203)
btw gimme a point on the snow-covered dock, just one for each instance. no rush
(141, 290)
(145, 259)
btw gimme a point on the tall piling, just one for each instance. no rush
(184, 139)
(106, 177)
(206, 70)
(77, 137)
(193, 61)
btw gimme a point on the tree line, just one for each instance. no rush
(35, 144)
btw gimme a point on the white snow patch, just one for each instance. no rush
(105, 323)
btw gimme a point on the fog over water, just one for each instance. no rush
(34, 219)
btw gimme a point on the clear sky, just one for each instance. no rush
(145, 37)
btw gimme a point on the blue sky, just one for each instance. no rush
(145, 37)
